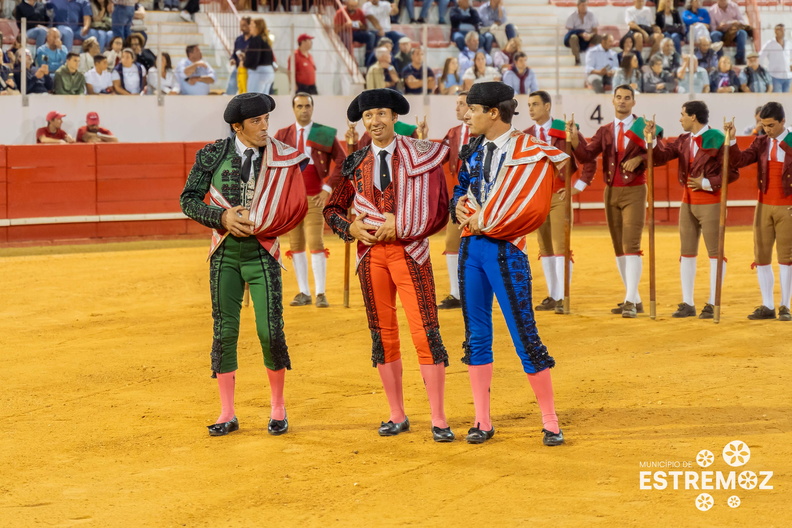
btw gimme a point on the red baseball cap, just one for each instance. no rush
(92, 118)
(304, 36)
(54, 115)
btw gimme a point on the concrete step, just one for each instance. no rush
(175, 39)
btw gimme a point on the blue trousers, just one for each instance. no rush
(739, 41)
(122, 20)
(490, 267)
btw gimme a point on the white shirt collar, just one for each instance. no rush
(390, 149)
(703, 129)
(548, 124)
(501, 140)
(781, 136)
(307, 128)
(241, 148)
(627, 122)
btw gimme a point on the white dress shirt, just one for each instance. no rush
(777, 58)
(780, 154)
(375, 150)
(241, 148)
(501, 146)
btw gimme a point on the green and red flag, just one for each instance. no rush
(788, 140)
(321, 137)
(712, 139)
(558, 129)
(636, 132)
(403, 129)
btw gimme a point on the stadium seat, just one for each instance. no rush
(565, 3)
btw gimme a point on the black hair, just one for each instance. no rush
(302, 94)
(71, 54)
(544, 96)
(506, 110)
(624, 87)
(698, 109)
(772, 110)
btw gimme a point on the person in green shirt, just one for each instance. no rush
(68, 80)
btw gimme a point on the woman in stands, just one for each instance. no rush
(629, 72)
(169, 83)
(90, 49)
(480, 72)
(504, 59)
(451, 80)
(114, 54)
(259, 59)
(670, 24)
(627, 44)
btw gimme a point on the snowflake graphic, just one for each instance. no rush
(734, 501)
(747, 480)
(705, 458)
(736, 453)
(704, 502)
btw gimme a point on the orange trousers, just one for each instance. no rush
(385, 270)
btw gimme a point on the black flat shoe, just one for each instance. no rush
(392, 429)
(278, 427)
(477, 436)
(442, 435)
(553, 439)
(223, 428)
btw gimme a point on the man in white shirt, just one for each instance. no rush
(776, 54)
(378, 13)
(129, 77)
(640, 20)
(195, 75)
(98, 80)
(601, 64)
(581, 30)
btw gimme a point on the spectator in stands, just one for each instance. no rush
(754, 78)
(53, 133)
(724, 79)
(378, 13)
(450, 82)
(413, 75)
(639, 19)
(629, 72)
(668, 24)
(627, 45)
(777, 55)
(68, 80)
(138, 22)
(357, 23)
(384, 42)
(196, 76)
(700, 76)
(382, 74)
(259, 59)
(123, 13)
(756, 129)
(98, 80)
(658, 80)
(304, 67)
(698, 18)
(442, 8)
(190, 8)
(707, 55)
(464, 19)
(581, 30)
(410, 6)
(480, 72)
(601, 64)
(102, 22)
(90, 48)
(467, 55)
(7, 84)
(404, 55)
(240, 45)
(37, 19)
(93, 133)
(503, 58)
(114, 54)
(494, 27)
(520, 77)
(669, 56)
(53, 53)
(39, 79)
(73, 19)
(129, 78)
(12, 53)
(168, 82)
(728, 26)
(144, 56)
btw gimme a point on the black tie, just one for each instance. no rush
(385, 178)
(246, 165)
(488, 161)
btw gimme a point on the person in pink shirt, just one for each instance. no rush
(728, 26)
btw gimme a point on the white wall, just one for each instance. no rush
(199, 118)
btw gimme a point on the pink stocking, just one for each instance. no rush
(434, 380)
(391, 375)
(277, 379)
(542, 385)
(480, 382)
(226, 382)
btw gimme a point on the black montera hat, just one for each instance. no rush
(247, 105)
(379, 98)
(489, 94)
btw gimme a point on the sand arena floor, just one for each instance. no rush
(107, 392)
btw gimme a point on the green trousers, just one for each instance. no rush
(236, 262)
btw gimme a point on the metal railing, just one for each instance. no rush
(338, 27)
